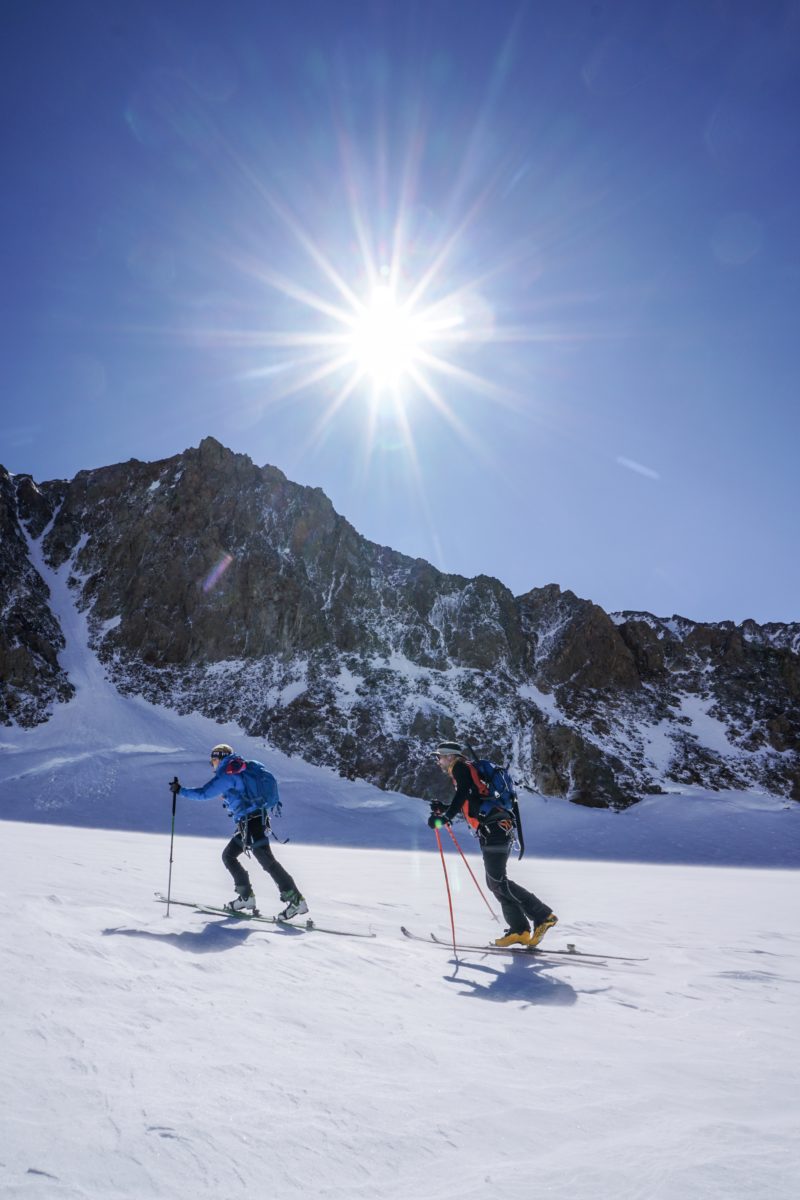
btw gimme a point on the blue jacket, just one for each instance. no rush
(228, 785)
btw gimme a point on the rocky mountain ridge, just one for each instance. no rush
(214, 585)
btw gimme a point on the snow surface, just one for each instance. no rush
(708, 730)
(205, 1057)
(146, 1056)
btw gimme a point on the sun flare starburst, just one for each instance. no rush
(394, 310)
(386, 339)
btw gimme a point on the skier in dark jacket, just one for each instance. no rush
(496, 832)
(252, 834)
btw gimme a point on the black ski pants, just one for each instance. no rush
(252, 835)
(520, 907)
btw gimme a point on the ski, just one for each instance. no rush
(308, 926)
(570, 951)
(528, 951)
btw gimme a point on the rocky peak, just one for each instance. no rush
(574, 642)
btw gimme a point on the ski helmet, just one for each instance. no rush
(445, 748)
(222, 750)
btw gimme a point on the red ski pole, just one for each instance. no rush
(474, 880)
(449, 897)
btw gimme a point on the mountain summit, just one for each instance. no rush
(214, 585)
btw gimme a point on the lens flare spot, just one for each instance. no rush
(215, 574)
(737, 239)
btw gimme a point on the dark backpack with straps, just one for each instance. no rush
(499, 791)
(499, 786)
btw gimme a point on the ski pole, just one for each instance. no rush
(174, 786)
(474, 880)
(449, 897)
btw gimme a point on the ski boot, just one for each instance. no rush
(295, 907)
(521, 937)
(246, 903)
(541, 929)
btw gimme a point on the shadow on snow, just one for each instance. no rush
(523, 980)
(213, 938)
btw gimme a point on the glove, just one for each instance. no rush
(175, 786)
(437, 819)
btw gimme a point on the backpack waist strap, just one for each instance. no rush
(497, 816)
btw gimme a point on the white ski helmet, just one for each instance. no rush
(222, 750)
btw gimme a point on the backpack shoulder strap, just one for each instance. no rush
(480, 786)
(235, 765)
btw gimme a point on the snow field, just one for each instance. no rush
(146, 1056)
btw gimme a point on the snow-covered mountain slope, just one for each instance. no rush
(147, 1058)
(214, 586)
(105, 759)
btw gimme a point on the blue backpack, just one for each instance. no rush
(260, 785)
(500, 789)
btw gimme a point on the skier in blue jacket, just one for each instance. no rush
(252, 833)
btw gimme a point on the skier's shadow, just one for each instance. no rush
(520, 979)
(213, 938)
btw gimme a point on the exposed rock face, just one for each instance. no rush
(31, 680)
(215, 585)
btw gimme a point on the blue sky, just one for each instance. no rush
(586, 215)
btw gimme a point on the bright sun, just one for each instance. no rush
(385, 339)
(401, 343)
